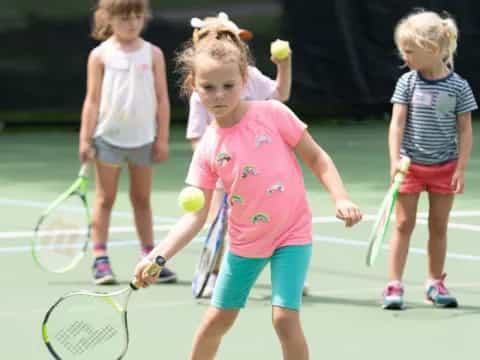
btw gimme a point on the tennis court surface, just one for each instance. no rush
(342, 316)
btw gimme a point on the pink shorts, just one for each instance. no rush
(430, 178)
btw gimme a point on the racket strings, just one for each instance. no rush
(61, 236)
(81, 336)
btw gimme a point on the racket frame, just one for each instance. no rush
(78, 188)
(376, 239)
(198, 289)
(154, 268)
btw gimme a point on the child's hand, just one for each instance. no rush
(395, 167)
(85, 151)
(348, 212)
(143, 279)
(458, 181)
(160, 151)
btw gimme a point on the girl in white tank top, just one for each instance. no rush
(126, 117)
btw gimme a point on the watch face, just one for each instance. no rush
(160, 260)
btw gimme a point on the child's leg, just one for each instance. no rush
(140, 189)
(234, 283)
(208, 336)
(439, 210)
(105, 193)
(289, 330)
(406, 215)
(289, 266)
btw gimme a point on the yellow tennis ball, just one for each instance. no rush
(191, 199)
(280, 49)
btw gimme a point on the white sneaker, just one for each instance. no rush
(208, 291)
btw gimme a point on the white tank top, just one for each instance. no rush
(128, 101)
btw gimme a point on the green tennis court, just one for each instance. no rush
(342, 317)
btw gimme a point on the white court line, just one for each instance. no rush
(316, 238)
(126, 214)
(315, 220)
(112, 230)
(43, 205)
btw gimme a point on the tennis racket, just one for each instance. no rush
(382, 220)
(210, 250)
(62, 232)
(90, 325)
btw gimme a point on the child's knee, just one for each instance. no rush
(105, 201)
(405, 225)
(219, 322)
(286, 322)
(140, 202)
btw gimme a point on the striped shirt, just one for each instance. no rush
(430, 135)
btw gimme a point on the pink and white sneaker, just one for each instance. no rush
(393, 296)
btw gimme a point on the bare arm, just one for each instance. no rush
(465, 140)
(284, 78)
(194, 143)
(395, 135)
(178, 237)
(163, 106)
(91, 104)
(326, 172)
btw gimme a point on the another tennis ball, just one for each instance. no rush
(280, 49)
(191, 199)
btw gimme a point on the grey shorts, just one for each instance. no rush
(117, 156)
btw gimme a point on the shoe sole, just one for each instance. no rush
(450, 305)
(393, 307)
(106, 280)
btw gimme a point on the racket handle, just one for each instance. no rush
(151, 270)
(85, 168)
(404, 164)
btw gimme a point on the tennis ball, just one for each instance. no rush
(191, 199)
(280, 49)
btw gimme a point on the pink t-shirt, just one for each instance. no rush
(268, 205)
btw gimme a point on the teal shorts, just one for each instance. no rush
(288, 270)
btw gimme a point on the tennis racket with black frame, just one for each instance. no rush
(210, 251)
(382, 220)
(86, 325)
(62, 232)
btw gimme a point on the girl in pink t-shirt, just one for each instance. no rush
(257, 87)
(251, 147)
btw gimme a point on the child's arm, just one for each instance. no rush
(395, 135)
(284, 78)
(465, 140)
(91, 104)
(178, 237)
(326, 172)
(163, 106)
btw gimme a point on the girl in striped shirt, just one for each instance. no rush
(431, 124)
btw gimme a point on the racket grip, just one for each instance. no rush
(154, 268)
(404, 164)
(85, 168)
